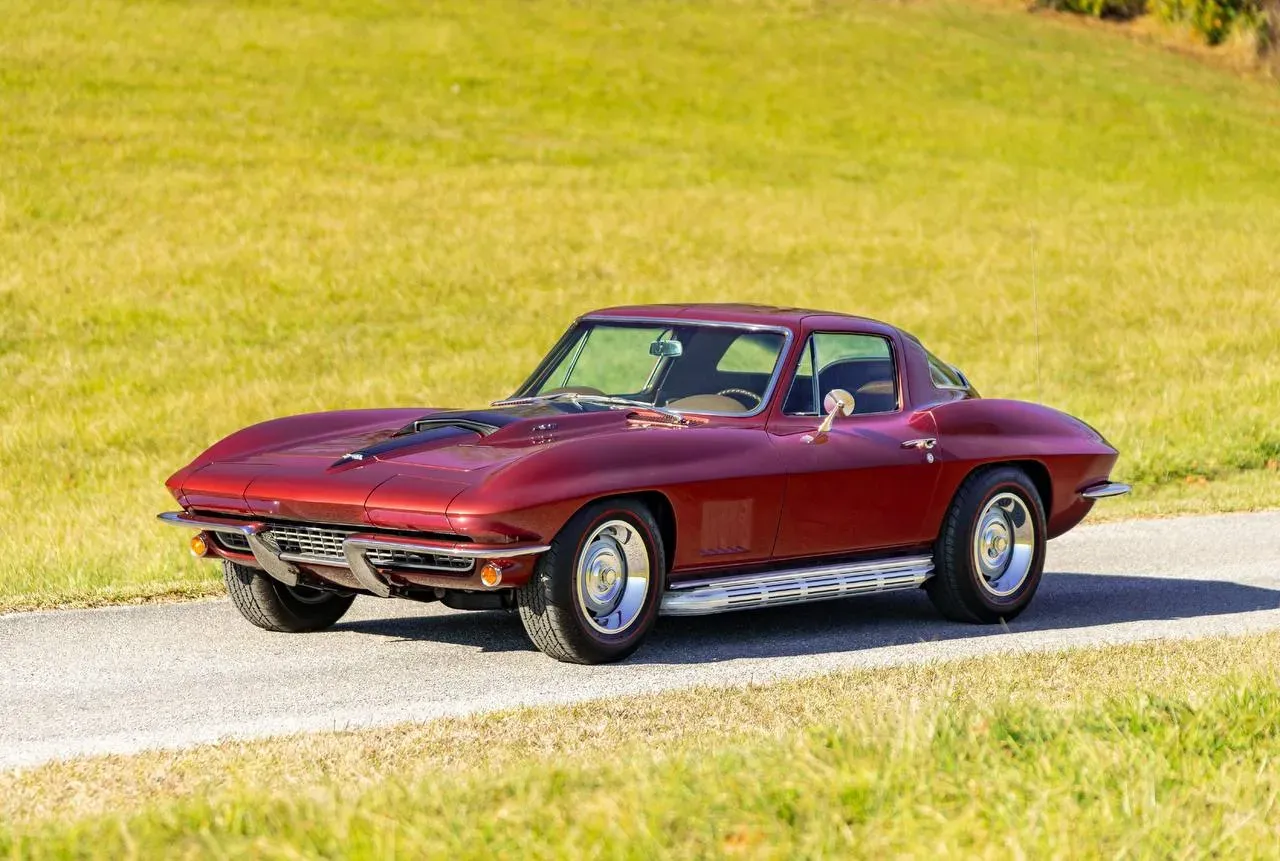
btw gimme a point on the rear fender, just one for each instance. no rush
(977, 433)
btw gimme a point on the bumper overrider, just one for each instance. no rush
(380, 564)
(1105, 490)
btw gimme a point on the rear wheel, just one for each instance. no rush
(594, 595)
(990, 554)
(273, 606)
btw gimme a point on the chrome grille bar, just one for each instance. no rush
(323, 545)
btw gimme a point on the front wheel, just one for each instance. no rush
(990, 554)
(595, 594)
(273, 606)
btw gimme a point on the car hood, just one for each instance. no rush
(387, 472)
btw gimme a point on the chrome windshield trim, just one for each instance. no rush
(1105, 490)
(779, 367)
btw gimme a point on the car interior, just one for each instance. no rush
(869, 380)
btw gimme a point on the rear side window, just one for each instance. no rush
(944, 376)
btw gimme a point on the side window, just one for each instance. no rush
(861, 364)
(944, 376)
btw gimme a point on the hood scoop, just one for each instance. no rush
(421, 426)
(421, 433)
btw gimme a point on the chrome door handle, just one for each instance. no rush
(923, 444)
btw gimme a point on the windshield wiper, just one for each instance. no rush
(579, 397)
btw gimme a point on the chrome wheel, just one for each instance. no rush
(613, 577)
(1004, 544)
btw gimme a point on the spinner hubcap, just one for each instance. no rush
(1004, 544)
(613, 577)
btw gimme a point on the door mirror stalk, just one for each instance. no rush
(837, 402)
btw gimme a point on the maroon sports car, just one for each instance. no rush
(677, 459)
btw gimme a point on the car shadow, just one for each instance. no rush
(1064, 601)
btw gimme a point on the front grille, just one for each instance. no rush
(308, 543)
(405, 559)
(233, 541)
(323, 546)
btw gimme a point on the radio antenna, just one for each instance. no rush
(1035, 313)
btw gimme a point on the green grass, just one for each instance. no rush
(212, 214)
(1144, 751)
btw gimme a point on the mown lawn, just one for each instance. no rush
(1147, 751)
(212, 214)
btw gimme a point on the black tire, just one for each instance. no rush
(273, 606)
(958, 588)
(549, 605)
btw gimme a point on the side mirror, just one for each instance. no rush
(837, 402)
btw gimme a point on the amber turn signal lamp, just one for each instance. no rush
(491, 574)
(199, 547)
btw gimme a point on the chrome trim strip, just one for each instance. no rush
(796, 585)
(252, 531)
(209, 524)
(410, 545)
(328, 561)
(1105, 490)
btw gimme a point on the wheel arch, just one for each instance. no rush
(1040, 477)
(663, 512)
(1036, 471)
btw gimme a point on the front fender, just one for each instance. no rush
(532, 498)
(291, 429)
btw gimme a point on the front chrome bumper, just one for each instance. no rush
(355, 549)
(1105, 489)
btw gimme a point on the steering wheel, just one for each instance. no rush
(757, 400)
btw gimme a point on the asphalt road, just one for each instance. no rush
(124, 679)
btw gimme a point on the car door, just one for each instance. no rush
(865, 484)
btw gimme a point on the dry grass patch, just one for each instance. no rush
(1127, 715)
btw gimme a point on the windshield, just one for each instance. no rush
(676, 366)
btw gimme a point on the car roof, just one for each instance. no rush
(796, 319)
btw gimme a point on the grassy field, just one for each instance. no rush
(212, 214)
(1135, 752)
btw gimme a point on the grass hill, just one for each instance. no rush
(212, 214)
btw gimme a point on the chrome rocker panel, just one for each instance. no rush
(796, 585)
(354, 548)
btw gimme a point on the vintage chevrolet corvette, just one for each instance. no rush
(676, 459)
